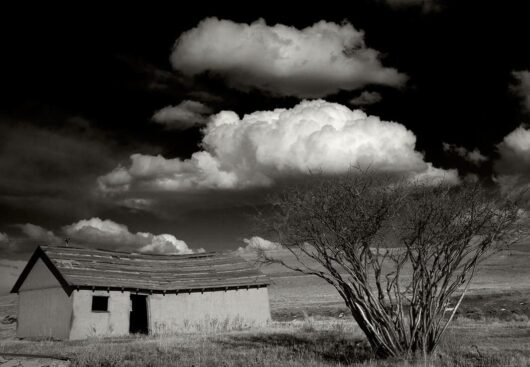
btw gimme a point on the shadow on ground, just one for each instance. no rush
(328, 346)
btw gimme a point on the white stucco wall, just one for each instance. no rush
(220, 309)
(44, 308)
(86, 324)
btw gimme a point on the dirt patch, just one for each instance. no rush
(14, 360)
(506, 306)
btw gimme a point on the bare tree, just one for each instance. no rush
(397, 252)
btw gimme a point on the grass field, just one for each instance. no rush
(311, 327)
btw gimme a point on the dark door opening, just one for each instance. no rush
(138, 317)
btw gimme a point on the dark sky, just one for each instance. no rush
(79, 88)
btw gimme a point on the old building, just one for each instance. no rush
(75, 293)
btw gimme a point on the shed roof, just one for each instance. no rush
(84, 268)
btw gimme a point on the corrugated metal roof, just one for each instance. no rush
(102, 269)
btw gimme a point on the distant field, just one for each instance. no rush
(503, 281)
(312, 328)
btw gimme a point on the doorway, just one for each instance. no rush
(138, 316)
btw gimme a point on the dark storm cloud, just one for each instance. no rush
(4, 238)
(49, 174)
(24, 238)
(521, 87)
(154, 78)
(366, 98)
(427, 6)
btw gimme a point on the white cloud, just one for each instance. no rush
(474, 156)
(259, 244)
(39, 234)
(118, 179)
(516, 143)
(432, 175)
(312, 62)
(264, 146)
(4, 238)
(366, 98)
(165, 244)
(182, 116)
(513, 165)
(522, 87)
(202, 170)
(95, 231)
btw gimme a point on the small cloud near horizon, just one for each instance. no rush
(183, 116)
(257, 243)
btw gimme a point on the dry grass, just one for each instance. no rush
(310, 342)
(313, 328)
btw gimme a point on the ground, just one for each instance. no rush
(311, 327)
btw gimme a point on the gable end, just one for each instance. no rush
(40, 254)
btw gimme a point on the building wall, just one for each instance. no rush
(220, 309)
(114, 322)
(44, 308)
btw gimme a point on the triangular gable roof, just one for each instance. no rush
(84, 268)
(40, 254)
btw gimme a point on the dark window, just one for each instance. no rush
(100, 303)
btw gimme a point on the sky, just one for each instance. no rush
(161, 129)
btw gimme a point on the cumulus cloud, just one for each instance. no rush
(474, 156)
(513, 165)
(184, 115)
(366, 98)
(259, 244)
(522, 87)
(433, 175)
(98, 231)
(316, 61)
(165, 244)
(118, 179)
(39, 234)
(95, 231)
(265, 146)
